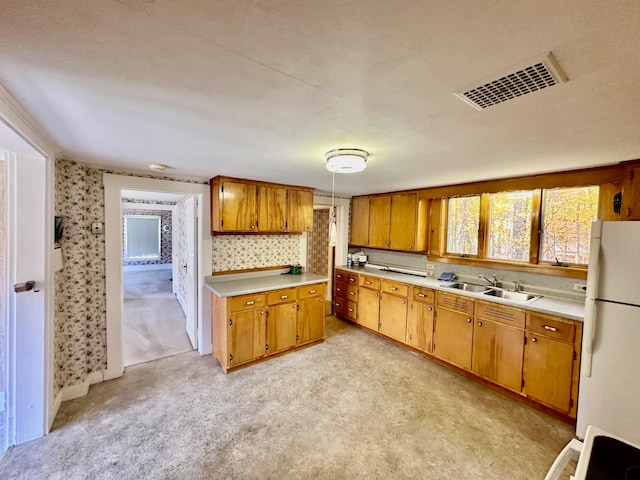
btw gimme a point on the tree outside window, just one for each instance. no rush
(509, 227)
(463, 222)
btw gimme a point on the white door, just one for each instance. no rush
(24, 370)
(191, 278)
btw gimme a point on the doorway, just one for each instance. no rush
(320, 256)
(157, 303)
(196, 265)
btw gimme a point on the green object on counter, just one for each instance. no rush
(295, 270)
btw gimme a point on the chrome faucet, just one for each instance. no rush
(493, 283)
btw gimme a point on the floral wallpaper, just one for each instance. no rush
(318, 243)
(240, 252)
(165, 236)
(180, 242)
(80, 306)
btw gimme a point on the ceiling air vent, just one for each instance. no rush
(535, 75)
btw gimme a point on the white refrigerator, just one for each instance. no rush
(609, 396)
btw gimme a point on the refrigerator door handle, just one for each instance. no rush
(594, 259)
(589, 328)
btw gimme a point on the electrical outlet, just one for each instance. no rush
(428, 274)
(430, 266)
(580, 287)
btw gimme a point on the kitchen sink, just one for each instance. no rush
(519, 297)
(467, 287)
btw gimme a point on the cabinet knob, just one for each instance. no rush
(410, 247)
(253, 226)
(468, 320)
(262, 312)
(283, 227)
(479, 324)
(376, 294)
(404, 301)
(534, 340)
(430, 308)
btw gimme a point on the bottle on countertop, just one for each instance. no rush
(349, 259)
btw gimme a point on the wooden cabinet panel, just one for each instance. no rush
(551, 326)
(282, 326)
(369, 308)
(420, 326)
(341, 289)
(421, 294)
(631, 193)
(300, 210)
(246, 336)
(359, 221)
(247, 302)
(340, 307)
(272, 209)
(370, 282)
(395, 288)
(501, 313)
(311, 319)
(379, 221)
(393, 317)
(317, 289)
(455, 302)
(284, 295)
(453, 337)
(548, 371)
(498, 353)
(352, 292)
(238, 209)
(402, 235)
(341, 276)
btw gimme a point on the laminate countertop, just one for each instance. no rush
(254, 284)
(545, 304)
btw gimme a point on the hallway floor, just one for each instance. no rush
(353, 407)
(153, 321)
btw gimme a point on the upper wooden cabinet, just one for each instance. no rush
(249, 206)
(631, 193)
(395, 222)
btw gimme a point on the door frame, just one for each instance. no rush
(113, 185)
(42, 407)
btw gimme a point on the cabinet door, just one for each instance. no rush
(498, 352)
(393, 317)
(239, 212)
(246, 336)
(311, 319)
(368, 308)
(300, 210)
(453, 337)
(548, 367)
(631, 193)
(282, 327)
(402, 235)
(360, 221)
(379, 221)
(420, 326)
(272, 209)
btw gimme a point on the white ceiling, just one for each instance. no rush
(262, 89)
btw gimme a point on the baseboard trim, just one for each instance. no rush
(57, 401)
(81, 389)
(139, 268)
(182, 302)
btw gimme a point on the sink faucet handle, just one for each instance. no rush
(516, 286)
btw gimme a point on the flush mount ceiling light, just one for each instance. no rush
(346, 160)
(158, 166)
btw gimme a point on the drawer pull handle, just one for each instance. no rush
(421, 295)
(282, 297)
(312, 291)
(352, 279)
(251, 303)
(351, 293)
(551, 329)
(338, 289)
(368, 282)
(337, 305)
(351, 309)
(393, 289)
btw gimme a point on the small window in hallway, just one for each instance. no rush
(142, 237)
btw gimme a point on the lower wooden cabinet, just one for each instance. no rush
(453, 337)
(369, 308)
(393, 317)
(246, 328)
(420, 326)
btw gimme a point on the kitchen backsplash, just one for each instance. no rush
(242, 252)
(542, 284)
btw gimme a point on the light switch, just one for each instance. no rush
(96, 228)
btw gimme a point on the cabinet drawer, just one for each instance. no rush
(352, 280)
(246, 302)
(370, 282)
(283, 296)
(352, 311)
(341, 289)
(311, 290)
(395, 288)
(352, 292)
(341, 276)
(500, 313)
(455, 302)
(552, 327)
(420, 294)
(340, 307)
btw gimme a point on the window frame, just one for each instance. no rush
(535, 264)
(446, 229)
(126, 256)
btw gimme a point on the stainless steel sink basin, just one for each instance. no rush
(467, 287)
(513, 296)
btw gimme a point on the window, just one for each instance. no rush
(463, 223)
(509, 226)
(142, 237)
(567, 214)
